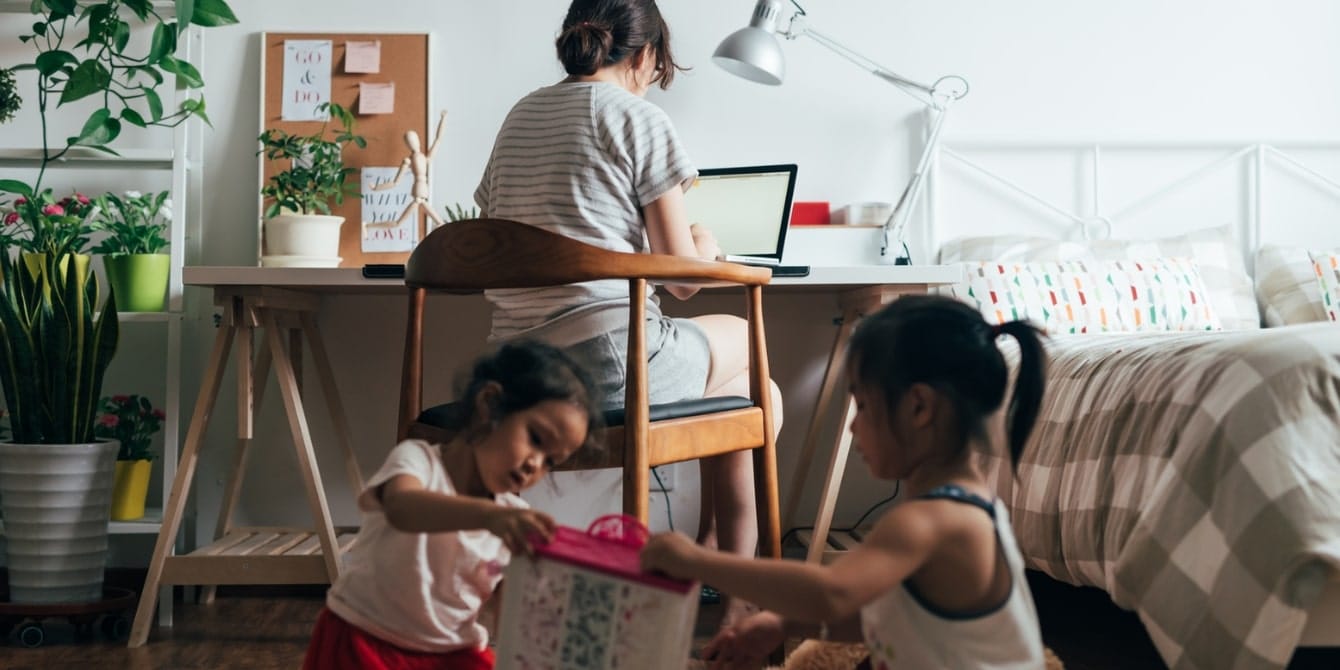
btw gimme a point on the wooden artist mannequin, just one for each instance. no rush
(417, 163)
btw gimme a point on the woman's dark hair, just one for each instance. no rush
(946, 344)
(529, 372)
(597, 33)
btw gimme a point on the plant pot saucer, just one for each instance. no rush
(300, 261)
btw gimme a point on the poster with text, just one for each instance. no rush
(307, 71)
(384, 202)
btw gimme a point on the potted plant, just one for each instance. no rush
(132, 421)
(132, 252)
(55, 345)
(299, 228)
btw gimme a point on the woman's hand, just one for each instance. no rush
(671, 553)
(747, 643)
(705, 242)
(519, 527)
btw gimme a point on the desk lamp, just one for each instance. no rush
(755, 54)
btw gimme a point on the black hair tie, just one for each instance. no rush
(997, 330)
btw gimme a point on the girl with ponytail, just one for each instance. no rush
(939, 581)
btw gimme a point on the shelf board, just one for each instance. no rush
(25, 6)
(88, 158)
(146, 317)
(149, 523)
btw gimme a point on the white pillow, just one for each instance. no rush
(1327, 267)
(1287, 286)
(1073, 297)
(1229, 289)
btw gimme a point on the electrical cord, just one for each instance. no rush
(852, 528)
(668, 517)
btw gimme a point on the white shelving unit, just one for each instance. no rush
(183, 162)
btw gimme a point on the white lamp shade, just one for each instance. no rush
(754, 54)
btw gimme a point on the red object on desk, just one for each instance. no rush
(810, 213)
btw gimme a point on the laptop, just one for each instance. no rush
(748, 209)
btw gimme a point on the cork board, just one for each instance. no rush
(404, 59)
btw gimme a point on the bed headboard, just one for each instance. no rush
(1271, 193)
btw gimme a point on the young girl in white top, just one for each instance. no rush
(440, 521)
(938, 582)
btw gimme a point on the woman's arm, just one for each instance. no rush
(805, 592)
(411, 508)
(669, 232)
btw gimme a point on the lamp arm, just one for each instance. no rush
(936, 94)
(907, 201)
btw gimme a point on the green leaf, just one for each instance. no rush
(50, 62)
(197, 108)
(187, 75)
(133, 117)
(185, 12)
(40, 28)
(100, 129)
(65, 7)
(89, 78)
(16, 187)
(211, 13)
(140, 7)
(121, 35)
(164, 43)
(154, 103)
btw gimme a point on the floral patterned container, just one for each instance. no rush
(583, 602)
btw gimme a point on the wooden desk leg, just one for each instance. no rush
(837, 466)
(181, 485)
(832, 373)
(250, 393)
(334, 405)
(302, 442)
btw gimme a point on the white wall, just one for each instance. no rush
(1038, 68)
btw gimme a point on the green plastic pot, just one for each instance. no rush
(139, 281)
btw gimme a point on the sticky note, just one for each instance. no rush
(362, 57)
(376, 98)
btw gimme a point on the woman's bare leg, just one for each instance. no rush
(728, 516)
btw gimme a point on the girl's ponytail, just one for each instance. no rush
(1022, 412)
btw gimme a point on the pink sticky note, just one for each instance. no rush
(376, 98)
(362, 56)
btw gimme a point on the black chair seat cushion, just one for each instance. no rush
(441, 415)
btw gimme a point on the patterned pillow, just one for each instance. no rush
(1217, 255)
(1072, 297)
(1286, 286)
(1162, 294)
(1327, 267)
(1059, 297)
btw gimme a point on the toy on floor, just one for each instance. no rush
(583, 602)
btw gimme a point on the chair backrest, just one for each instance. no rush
(478, 254)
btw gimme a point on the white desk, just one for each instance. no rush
(286, 299)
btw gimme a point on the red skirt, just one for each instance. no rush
(338, 645)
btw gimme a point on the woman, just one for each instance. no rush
(590, 158)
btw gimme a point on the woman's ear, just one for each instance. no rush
(921, 404)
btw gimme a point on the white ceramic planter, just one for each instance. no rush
(56, 499)
(310, 235)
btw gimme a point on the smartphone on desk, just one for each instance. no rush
(384, 271)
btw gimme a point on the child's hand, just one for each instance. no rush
(747, 643)
(517, 527)
(670, 553)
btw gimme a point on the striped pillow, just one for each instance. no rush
(1327, 267)
(1287, 286)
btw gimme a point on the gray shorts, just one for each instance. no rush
(677, 364)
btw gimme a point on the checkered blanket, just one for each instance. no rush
(1196, 479)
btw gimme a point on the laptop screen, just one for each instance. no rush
(746, 208)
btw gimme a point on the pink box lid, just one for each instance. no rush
(615, 554)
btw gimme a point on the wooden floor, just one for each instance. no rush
(249, 628)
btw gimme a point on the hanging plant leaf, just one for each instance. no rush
(50, 62)
(164, 43)
(187, 75)
(89, 78)
(211, 13)
(133, 117)
(185, 12)
(154, 103)
(100, 129)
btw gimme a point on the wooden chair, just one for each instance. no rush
(470, 256)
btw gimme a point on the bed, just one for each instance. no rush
(1193, 476)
